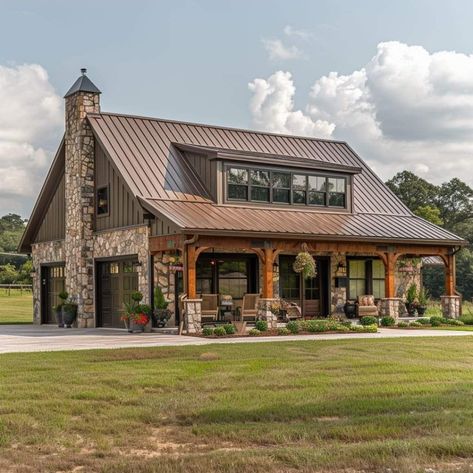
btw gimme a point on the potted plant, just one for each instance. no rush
(136, 315)
(63, 295)
(161, 312)
(411, 296)
(422, 297)
(69, 311)
(305, 265)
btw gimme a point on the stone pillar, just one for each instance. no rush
(338, 294)
(193, 315)
(164, 278)
(389, 306)
(80, 201)
(263, 312)
(451, 306)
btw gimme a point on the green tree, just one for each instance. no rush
(455, 201)
(430, 213)
(8, 274)
(11, 230)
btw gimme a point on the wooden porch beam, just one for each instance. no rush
(162, 243)
(390, 267)
(450, 283)
(268, 273)
(191, 272)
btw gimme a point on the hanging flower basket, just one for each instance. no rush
(305, 265)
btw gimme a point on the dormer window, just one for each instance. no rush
(284, 187)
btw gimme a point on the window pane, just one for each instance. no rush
(356, 268)
(317, 183)
(235, 287)
(234, 269)
(298, 197)
(282, 195)
(316, 198)
(102, 201)
(357, 288)
(281, 179)
(336, 200)
(237, 192)
(204, 286)
(238, 176)
(260, 194)
(378, 288)
(259, 178)
(336, 185)
(289, 280)
(378, 269)
(299, 182)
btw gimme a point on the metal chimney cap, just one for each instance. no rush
(83, 71)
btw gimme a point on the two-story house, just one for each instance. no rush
(129, 197)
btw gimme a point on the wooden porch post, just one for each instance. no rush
(268, 274)
(389, 265)
(191, 272)
(450, 282)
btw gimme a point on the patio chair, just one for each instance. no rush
(249, 307)
(290, 310)
(209, 307)
(365, 306)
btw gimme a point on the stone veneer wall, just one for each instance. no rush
(164, 279)
(80, 198)
(43, 253)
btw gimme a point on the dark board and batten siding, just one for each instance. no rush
(206, 170)
(53, 226)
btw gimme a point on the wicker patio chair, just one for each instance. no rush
(366, 306)
(249, 307)
(209, 307)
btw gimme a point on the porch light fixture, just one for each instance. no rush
(275, 268)
(341, 269)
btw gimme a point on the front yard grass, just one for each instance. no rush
(331, 406)
(16, 308)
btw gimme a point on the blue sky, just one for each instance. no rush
(193, 60)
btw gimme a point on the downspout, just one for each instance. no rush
(151, 281)
(186, 243)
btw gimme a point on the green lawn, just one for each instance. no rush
(16, 308)
(331, 406)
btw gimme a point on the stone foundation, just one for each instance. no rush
(263, 312)
(390, 307)
(193, 315)
(451, 306)
(164, 278)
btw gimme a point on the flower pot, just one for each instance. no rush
(69, 314)
(161, 317)
(421, 310)
(411, 309)
(59, 317)
(132, 326)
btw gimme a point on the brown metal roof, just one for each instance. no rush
(212, 218)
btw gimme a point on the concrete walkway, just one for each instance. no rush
(33, 338)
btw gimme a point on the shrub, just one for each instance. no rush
(436, 321)
(453, 322)
(369, 320)
(388, 321)
(342, 328)
(207, 331)
(283, 331)
(254, 332)
(292, 326)
(220, 332)
(364, 328)
(316, 326)
(346, 323)
(229, 329)
(261, 325)
(467, 319)
(415, 324)
(424, 321)
(402, 324)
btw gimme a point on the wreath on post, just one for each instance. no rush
(305, 264)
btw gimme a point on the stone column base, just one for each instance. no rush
(450, 306)
(193, 315)
(85, 322)
(263, 312)
(389, 307)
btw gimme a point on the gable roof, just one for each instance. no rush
(148, 154)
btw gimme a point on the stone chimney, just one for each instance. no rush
(82, 98)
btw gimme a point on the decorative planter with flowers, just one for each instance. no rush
(161, 312)
(63, 295)
(136, 315)
(411, 300)
(69, 310)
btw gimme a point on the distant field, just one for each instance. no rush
(16, 308)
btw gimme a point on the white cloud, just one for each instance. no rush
(277, 50)
(30, 122)
(297, 33)
(405, 109)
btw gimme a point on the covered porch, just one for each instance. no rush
(218, 274)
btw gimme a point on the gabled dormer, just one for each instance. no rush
(261, 179)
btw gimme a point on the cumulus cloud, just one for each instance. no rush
(277, 50)
(297, 33)
(406, 108)
(30, 125)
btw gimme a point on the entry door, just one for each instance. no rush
(52, 283)
(117, 281)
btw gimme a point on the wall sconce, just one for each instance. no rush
(275, 269)
(341, 269)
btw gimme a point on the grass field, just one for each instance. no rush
(355, 405)
(16, 308)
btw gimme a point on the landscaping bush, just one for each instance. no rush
(424, 321)
(402, 324)
(254, 332)
(388, 321)
(415, 324)
(283, 331)
(346, 323)
(436, 321)
(229, 329)
(316, 326)
(293, 327)
(369, 320)
(207, 331)
(364, 328)
(220, 331)
(261, 325)
(342, 328)
(467, 319)
(453, 322)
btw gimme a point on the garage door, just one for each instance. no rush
(53, 282)
(117, 280)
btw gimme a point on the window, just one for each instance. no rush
(233, 278)
(289, 280)
(378, 278)
(365, 276)
(102, 201)
(279, 187)
(357, 278)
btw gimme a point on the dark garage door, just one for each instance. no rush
(52, 283)
(117, 280)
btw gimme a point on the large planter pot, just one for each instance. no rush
(69, 314)
(421, 309)
(411, 309)
(131, 326)
(161, 317)
(59, 317)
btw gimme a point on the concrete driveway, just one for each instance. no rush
(33, 338)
